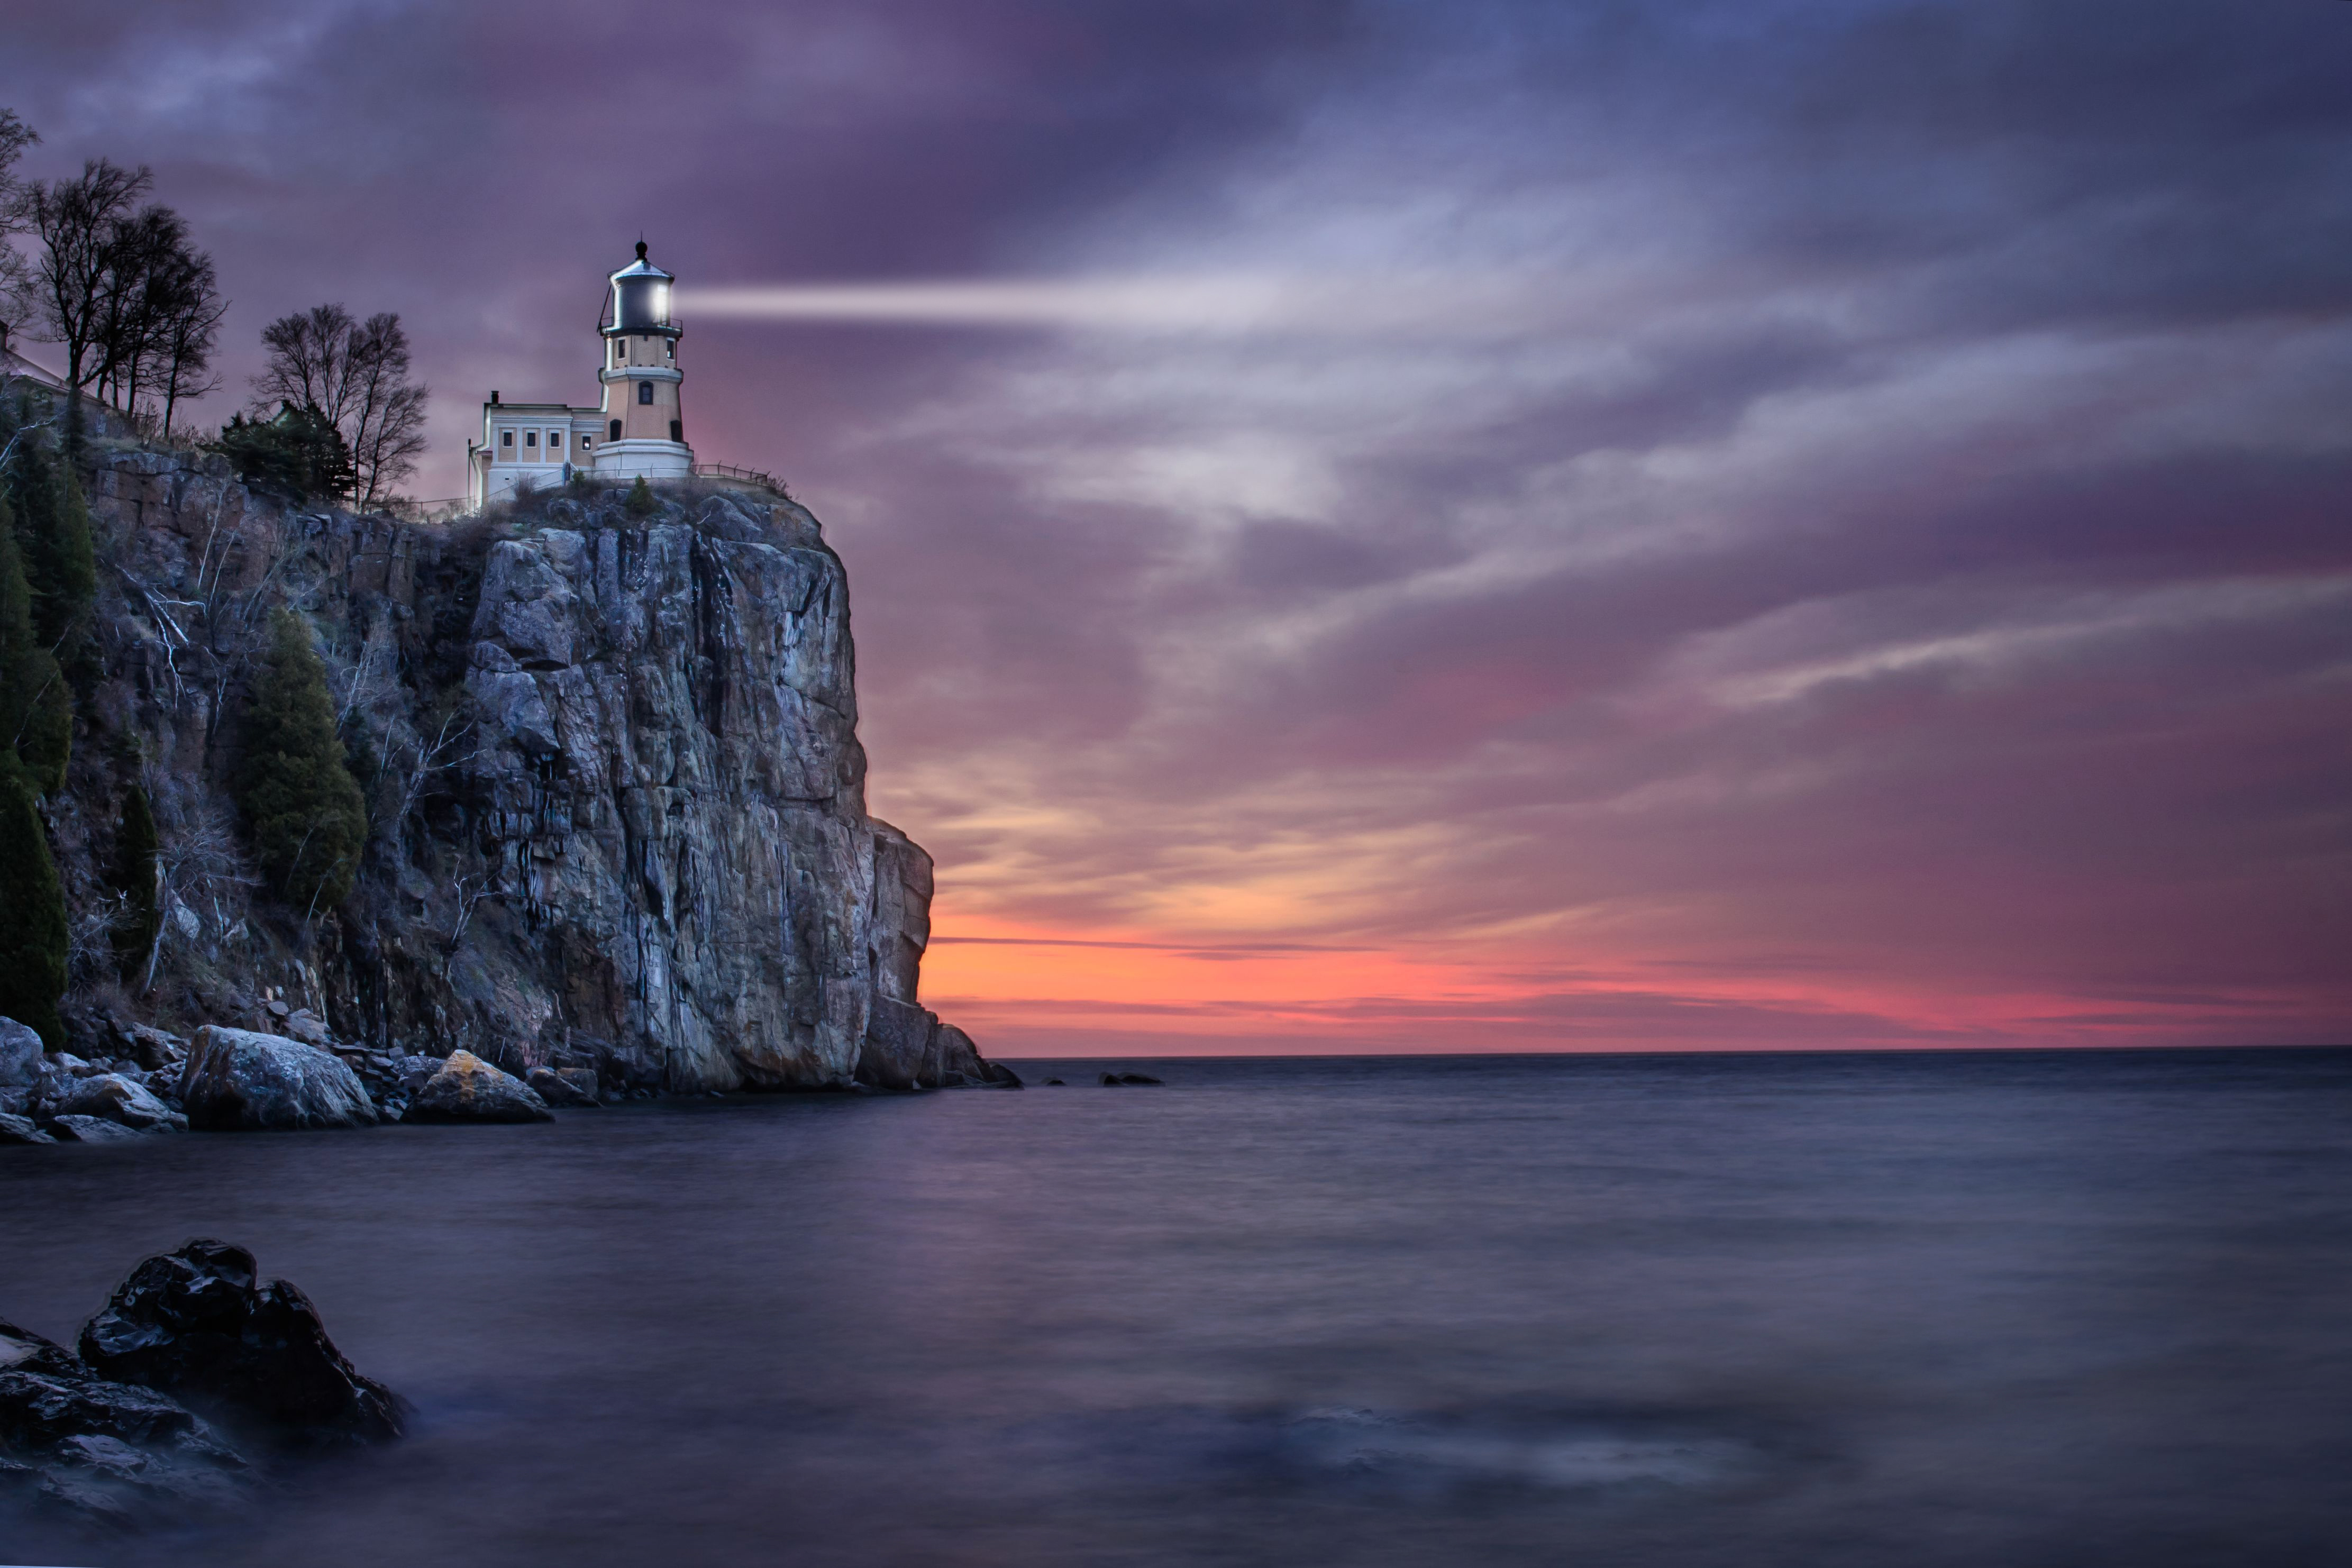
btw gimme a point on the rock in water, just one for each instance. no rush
(110, 1452)
(575, 1086)
(194, 1325)
(469, 1089)
(80, 1129)
(20, 1055)
(236, 1081)
(117, 1098)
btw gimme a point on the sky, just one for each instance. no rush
(1468, 526)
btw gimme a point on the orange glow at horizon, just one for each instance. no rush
(1027, 991)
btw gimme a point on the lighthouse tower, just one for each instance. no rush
(645, 422)
(639, 430)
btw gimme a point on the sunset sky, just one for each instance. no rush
(1451, 526)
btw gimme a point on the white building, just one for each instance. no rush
(639, 430)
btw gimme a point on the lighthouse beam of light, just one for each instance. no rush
(1223, 305)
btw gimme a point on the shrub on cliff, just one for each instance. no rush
(640, 502)
(52, 529)
(32, 935)
(303, 808)
(296, 454)
(134, 855)
(36, 704)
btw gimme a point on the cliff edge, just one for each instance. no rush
(615, 794)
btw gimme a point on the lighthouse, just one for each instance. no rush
(638, 431)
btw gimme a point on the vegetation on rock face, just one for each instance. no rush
(298, 454)
(301, 805)
(36, 704)
(33, 936)
(640, 502)
(135, 853)
(52, 530)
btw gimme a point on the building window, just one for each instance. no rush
(615, 432)
(506, 437)
(531, 438)
(676, 430)
(586, 440)
(669, 350)
(644, 392)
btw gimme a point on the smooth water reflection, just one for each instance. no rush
(1999, 1309)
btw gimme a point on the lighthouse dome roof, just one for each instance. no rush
(641, 297)
(641, 267)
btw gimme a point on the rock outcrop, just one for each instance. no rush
(20, 1055)
(469, 1089)
(572, 1086)
(119, 1100)
(107, 1452)
(196, 1325)
(236, 1081)
(616, 792)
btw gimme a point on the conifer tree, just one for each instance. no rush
(301, 805)
(53, 532)
(36, 724)
(135, 853)
(33, 936)
(36, 705)
(640, 502)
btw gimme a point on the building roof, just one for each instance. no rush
(641, 267)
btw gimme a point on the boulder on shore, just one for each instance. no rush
(570, 1086)
(118, 1098)
(195, 1325)
(20, 1055)
(20, 1130)
(236, 1081)
(109, 1452)
(76, 1128)
(469, 1089)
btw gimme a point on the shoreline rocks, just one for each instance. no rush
(117, 1435)
(236, 1081)
(469, 1089)
(195, 1324)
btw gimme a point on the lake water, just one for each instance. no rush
(2006, 1310)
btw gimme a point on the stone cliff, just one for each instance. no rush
(616, 792)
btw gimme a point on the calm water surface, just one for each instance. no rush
(2001, 1310)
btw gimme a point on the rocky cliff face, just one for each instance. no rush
(615, 785)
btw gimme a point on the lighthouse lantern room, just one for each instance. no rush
(639, 430)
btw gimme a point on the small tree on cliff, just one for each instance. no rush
(135, 871)
(52, 533)
(640, 502)
(308, 819)
(33, 936)
(36, 704)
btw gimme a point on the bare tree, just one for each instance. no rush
(15, 276)
(356, 374)
(387, 428)
(191, 316)
(74, 285)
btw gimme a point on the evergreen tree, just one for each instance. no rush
(53, 532)
(135, 853)
(36, 704)
(640, 502)
(303, 808)
(33, 936)
(296, 454)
